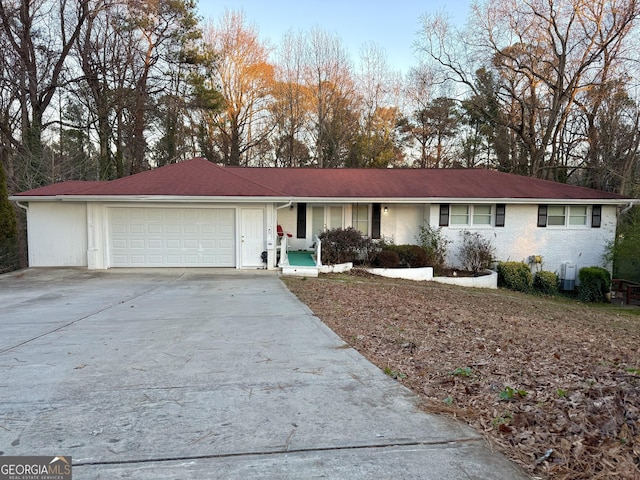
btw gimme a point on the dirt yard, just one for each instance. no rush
(551, 383)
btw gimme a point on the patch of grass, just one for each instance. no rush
(509, 393)
(462, 372)
(504, 419)
(394, 373)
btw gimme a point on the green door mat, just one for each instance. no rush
(301, 259)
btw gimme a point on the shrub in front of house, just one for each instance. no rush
(409, 256)
(435, 244)
(387, 258)
(595, 284)
(545, 282)
(476, 252)
(341, 245)
(515, 276)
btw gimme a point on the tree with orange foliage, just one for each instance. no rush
(245, 79)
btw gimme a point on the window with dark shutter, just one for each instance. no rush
(596, 216)
(542, 215)
(500, 214)
(375, 220)
(444, 215)
(301, 223)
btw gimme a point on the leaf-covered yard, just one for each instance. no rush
(553, 384)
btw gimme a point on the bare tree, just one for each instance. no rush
(545, 54)
(377, 143)
(292, 103)
(330, 80)
(38, 36)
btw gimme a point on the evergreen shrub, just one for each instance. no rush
(515, 276)
(595, 284)
(545, 282)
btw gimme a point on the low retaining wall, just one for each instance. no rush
(483, 281)
(339, 268)
(426, 274)
(422, 273)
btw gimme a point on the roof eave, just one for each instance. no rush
(262, 199)
(148, 198)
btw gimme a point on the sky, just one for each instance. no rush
(391, 24)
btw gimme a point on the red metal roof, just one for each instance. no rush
(200, 178)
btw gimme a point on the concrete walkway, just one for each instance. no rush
(194, 374)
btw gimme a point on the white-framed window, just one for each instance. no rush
(567, 216)
(360, 218)
(471, 215)
(459, 215)
(556, 215)
(482, 214)
(578, 215)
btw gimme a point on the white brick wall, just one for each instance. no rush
(521, 238)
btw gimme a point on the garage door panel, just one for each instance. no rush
(172, 237)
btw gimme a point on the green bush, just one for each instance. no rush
(545, 282)
(387, 258)
(515, 276)
(595, 284)
(435, 245)
(624, 251)
(341, 245)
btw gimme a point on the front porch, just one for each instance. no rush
(300, 263)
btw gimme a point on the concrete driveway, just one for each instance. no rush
(193, 374)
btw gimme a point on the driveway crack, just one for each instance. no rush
(442, 443)
(62, 327)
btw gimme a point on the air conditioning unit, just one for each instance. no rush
(568, 276)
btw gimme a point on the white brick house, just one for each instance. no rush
(196, 213)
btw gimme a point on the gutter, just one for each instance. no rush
(289, 201)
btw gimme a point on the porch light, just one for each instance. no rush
(386, 209)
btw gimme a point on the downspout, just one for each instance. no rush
(24, 207)
(626, 208)
(286, 205)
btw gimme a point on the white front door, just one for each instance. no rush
(252, 236)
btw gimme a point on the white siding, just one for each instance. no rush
(521, 238)
(57, 234)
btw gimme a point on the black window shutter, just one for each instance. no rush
(444, 215)
(501, 209)
(301, 223)
(375, 220)
(542, 215)
(596, 216)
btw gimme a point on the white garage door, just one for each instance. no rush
(172, 237)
